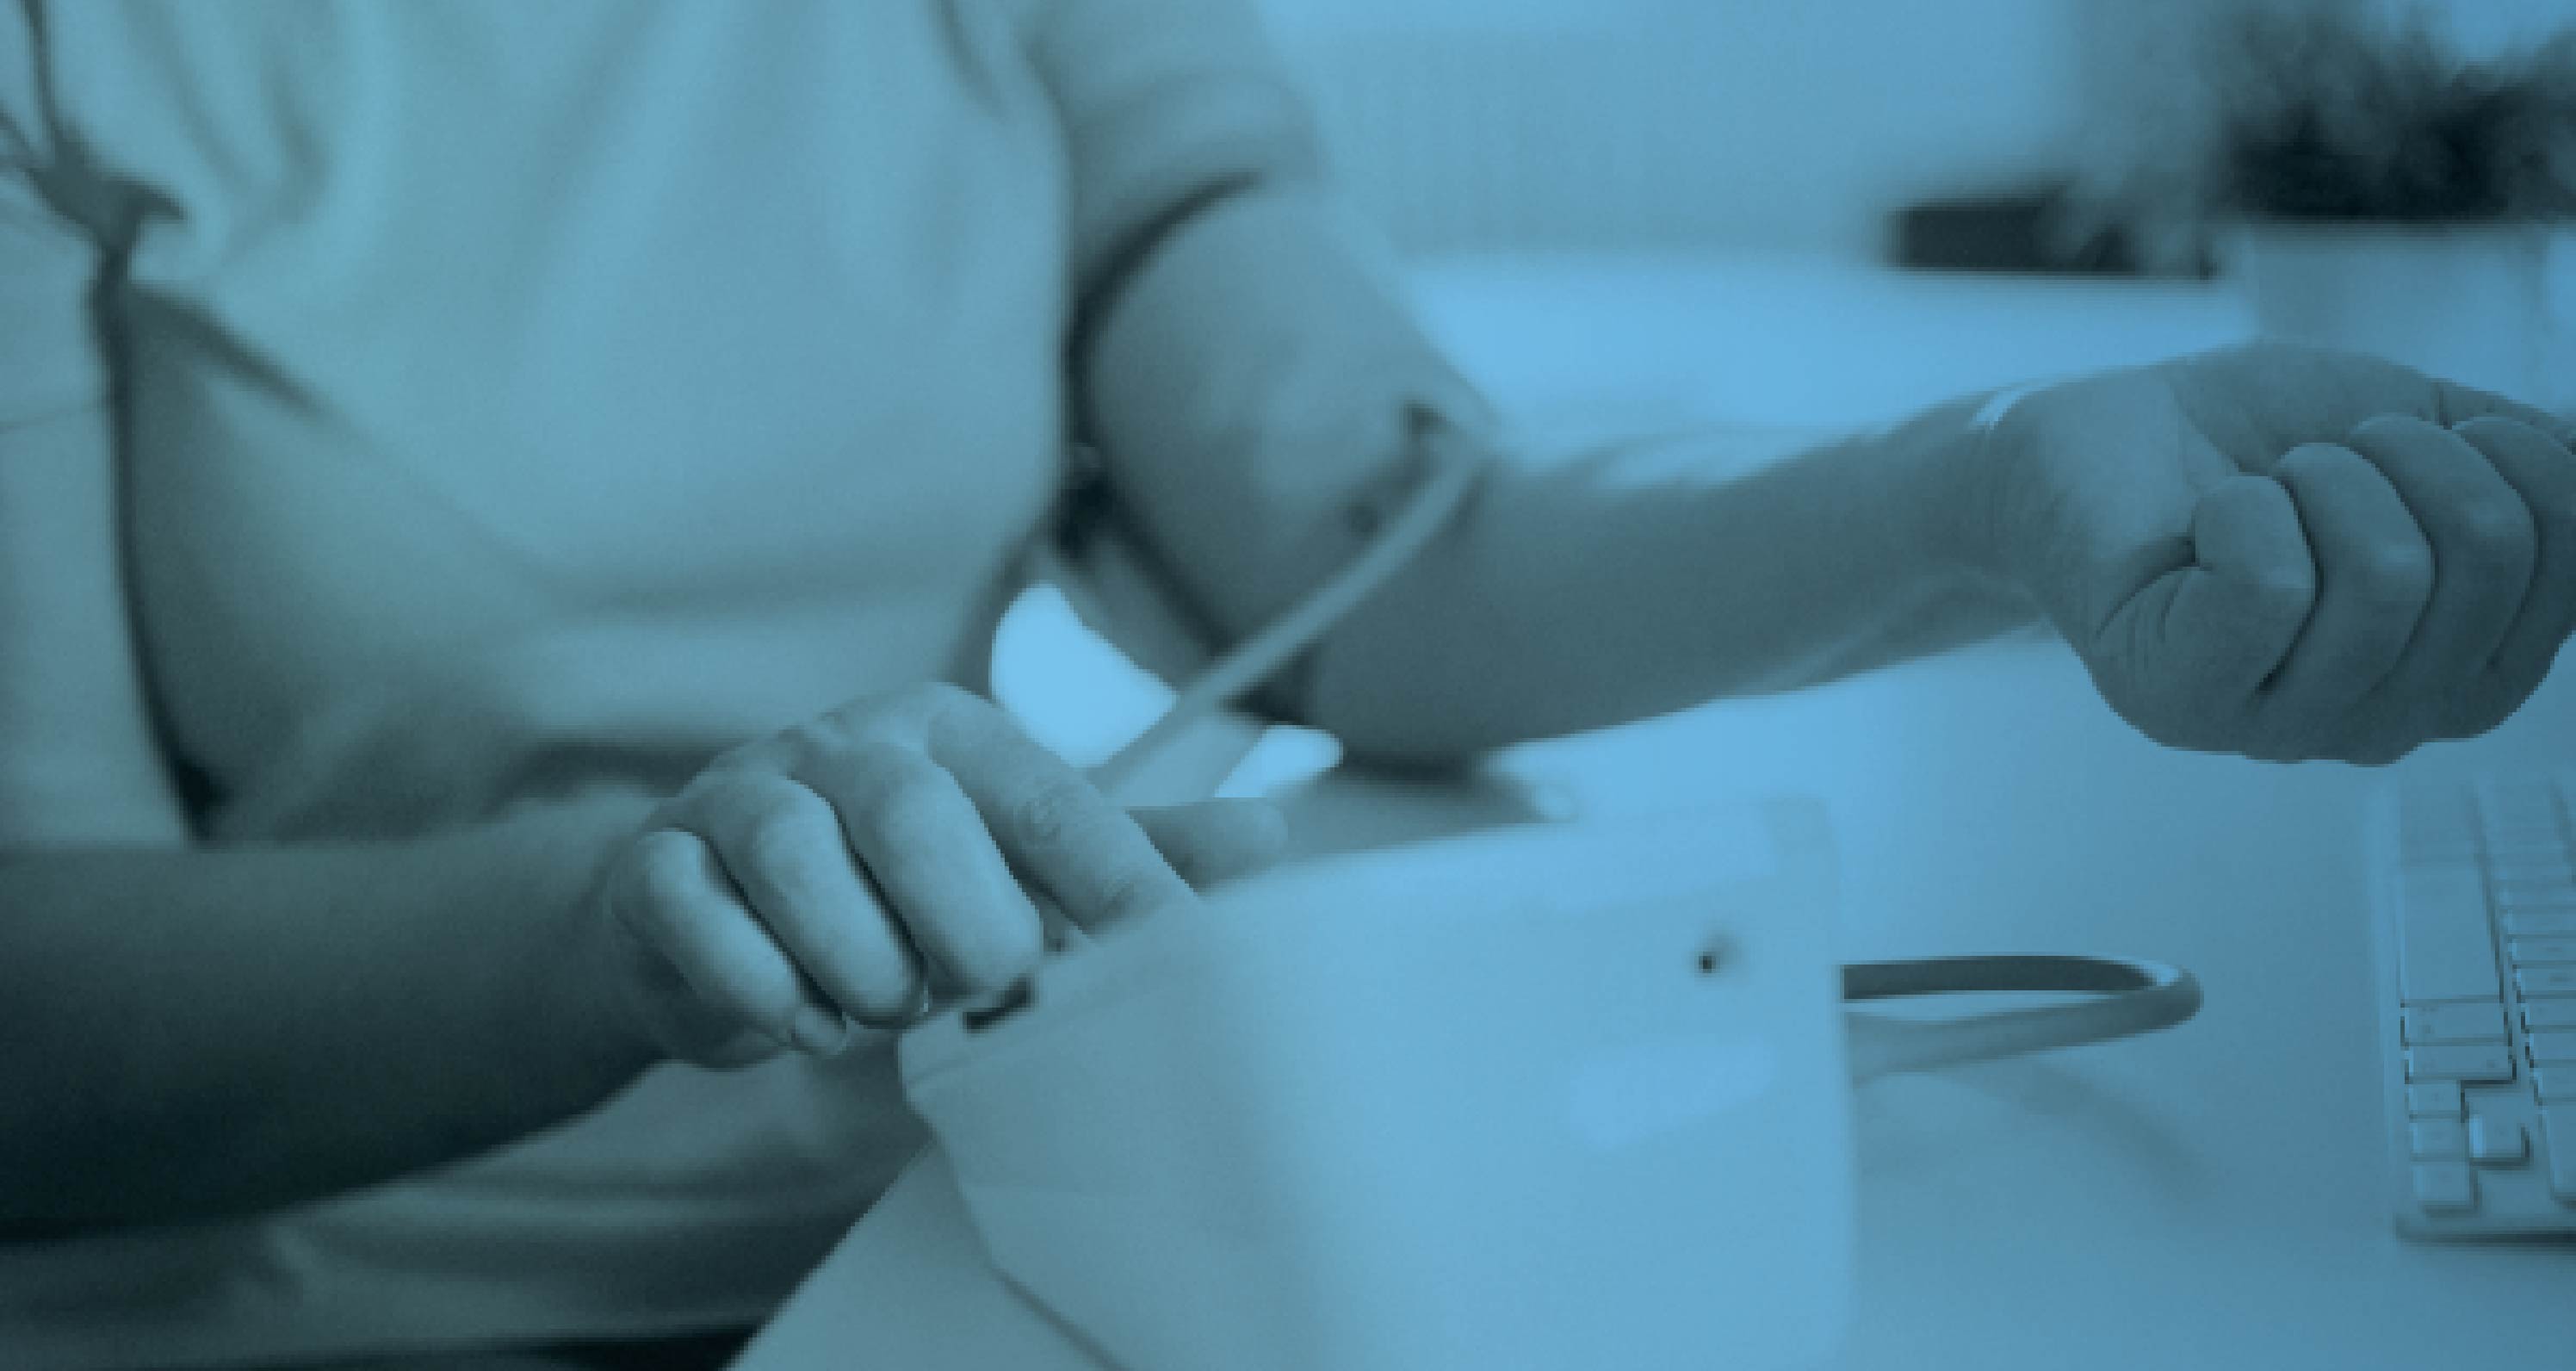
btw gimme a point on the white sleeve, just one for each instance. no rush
(50, 354)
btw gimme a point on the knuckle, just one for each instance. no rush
(782, 841)
(939, 702)
(2395, 428)
(850, 732)
(2490, 426)
(2310, 462)
(866, 765)
(2490, 429)
(1055, 813)
(900, 717)
(909, 810)
(669, 867)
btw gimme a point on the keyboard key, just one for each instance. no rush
(2441, 1099)
(2445, 1187)
(2545, 982)
(2532, 897)
(2438, 1139)
(2558, 1122)
(2508, 811)
(2553, 1084)
(2541, 951)
(2540, 1016)
(2444, 951)
(2487, 1065)
(2516, 799)
(2551, 1049)
(2523, 923)
(2455, 1023)
(2495, 1141)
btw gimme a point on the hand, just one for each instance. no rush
(863, 867)
(2291, 554)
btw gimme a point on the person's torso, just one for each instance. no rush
(506, 382)
(702, 358)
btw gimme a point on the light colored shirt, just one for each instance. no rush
(507, 392)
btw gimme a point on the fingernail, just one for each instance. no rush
(819, 1031)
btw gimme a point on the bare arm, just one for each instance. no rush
(1581, 595)
(193, 1031)
(1247, 365)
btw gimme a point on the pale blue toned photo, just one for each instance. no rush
(1287, 685)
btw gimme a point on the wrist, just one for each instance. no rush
(584, 1009)
(1963, 489)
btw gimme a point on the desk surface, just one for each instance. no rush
(2211, 1196)
(2207, 1197)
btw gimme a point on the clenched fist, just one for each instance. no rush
(2289, 553)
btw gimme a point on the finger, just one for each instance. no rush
(1216, 840)
(927, 847)
(1061, 931)
(2484, 547)
(2542, 471)
(784, 848)
(2374, 575)
(1058, 828)
(2226, 622)
(2457, 405)
(679, 902)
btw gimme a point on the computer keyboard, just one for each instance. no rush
(2474, 893)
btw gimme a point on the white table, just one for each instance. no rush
(2207, 1197)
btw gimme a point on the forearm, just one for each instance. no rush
(197, 1032)
(1577, 596)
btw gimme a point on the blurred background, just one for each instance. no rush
(1749, 220)
(1628, 123)
(1780, 123)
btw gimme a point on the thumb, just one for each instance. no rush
(1215, 840)
(2217, 629)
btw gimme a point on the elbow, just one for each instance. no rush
(1415, 739)
(1412, 757)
